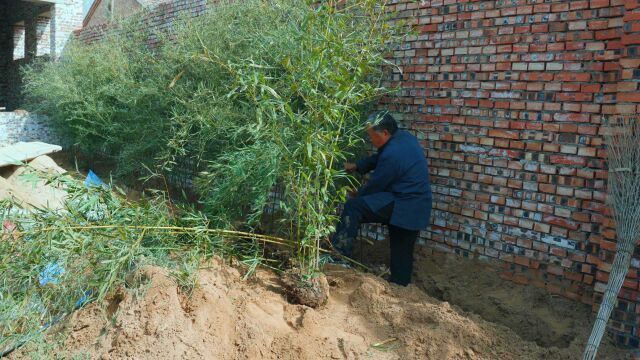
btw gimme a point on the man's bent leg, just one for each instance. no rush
(402, 244)
(356, 212)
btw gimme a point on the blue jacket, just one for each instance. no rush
(400, 175)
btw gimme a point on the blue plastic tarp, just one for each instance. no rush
(51, 274)
(93, 180)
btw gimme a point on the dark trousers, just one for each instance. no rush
(402, 243)
(357, 212)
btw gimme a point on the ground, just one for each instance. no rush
(456, 308)
(474, 286)
(532, 313)
(227, 317)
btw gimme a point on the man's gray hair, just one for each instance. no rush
(382, 120)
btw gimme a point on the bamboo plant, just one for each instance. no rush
(254, 93)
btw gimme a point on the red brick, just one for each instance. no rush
(437, 101)
(558, 251)
(590, 88)
(609, 34)
(581, 217)
(521, 260)
(560, 7)
(629, 97)
(577, 5)
(540, 246)
(571, 76)
(594, 4)
(504, 134)
(540, 28)
(520, 279)
(564, 223)
(586, 268)
(525, 243)
(429, 28)
(555, 46)
(587, 130)
(631, 16)
(505, 153)
(568, 160)
(547, 188)
(572, 275)
(555, 270)
(542, 8)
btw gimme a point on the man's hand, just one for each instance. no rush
(352, 192)
(350, 167)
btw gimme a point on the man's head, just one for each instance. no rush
(381, 128)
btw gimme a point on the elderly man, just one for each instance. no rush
(398, 194)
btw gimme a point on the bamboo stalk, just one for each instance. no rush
(232, 233)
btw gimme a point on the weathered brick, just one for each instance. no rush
(504, 134)
(12, 125)
(568, 160)
(594, 4)
(564, 223)
(573, 117)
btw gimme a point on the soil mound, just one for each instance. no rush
(229, 318)
(477, 287)
(531, 312)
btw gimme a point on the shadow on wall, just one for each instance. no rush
(20, 125)
(13, 97)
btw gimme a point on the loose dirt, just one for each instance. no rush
(475, 287)
(230, 318)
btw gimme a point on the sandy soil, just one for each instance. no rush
(456, 309)
(229, 318)
(474, 286)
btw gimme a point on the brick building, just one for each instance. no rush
(102, 12)
(510, 97)
(30, 29)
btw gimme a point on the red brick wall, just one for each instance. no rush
(510, 95)
(158, 18)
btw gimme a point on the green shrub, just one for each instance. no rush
(107, 98)
(255, 92)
